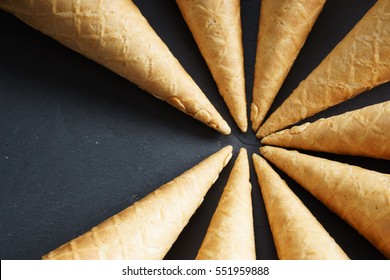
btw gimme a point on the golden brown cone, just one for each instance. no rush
(297, 233)
(283, 28)
(116, 35)
(363, 132)
(148, 228)
(359, 196)
(230, 235)
(216, 27)
(358, 63)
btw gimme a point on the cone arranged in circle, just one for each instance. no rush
(359, 196)
(363, 132)
(297, 233)
(358, 63)
(148, 228)
(230, 234)
(283, 28)
(216, 27)
(116, 35)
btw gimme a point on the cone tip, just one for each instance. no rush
(224, 128)
(264, 130)
(228, 148)
(263, 149)
(243, 158)
(229, 153)
(243, 126)
(258, 162)
(243, 150)
(255, 117)
(259, 134)
(264, 140)
(266, 150)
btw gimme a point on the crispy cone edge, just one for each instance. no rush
(297, 233)
(117, 36)
(359, 196)
(362, 132)
(230, 234)
(358, 63)
(148, 228)
(216, 27)
(283, 28)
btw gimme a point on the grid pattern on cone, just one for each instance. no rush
(95, 239)
(117, 36)
(361, 204)
(230, 234)
(360, 132)
(284, 27)
(148, 228)
(221, 47)
(346, 190)
(131, 235)
(297, 233)
(358, 63)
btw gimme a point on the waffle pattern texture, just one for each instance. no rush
(349, 191)
(230, 234)
(117, 36)
(216, 27)
(148, 228)
(358, 63)
(283, 28)
(363, 132)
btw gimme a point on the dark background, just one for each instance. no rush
(79, 143)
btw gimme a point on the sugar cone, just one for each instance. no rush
(148, 228)
(216, 27)
(283, 29)
(359, 62)
(363, 132)
(359, 196)
(297, 233)
(116, 35)
(230, 234)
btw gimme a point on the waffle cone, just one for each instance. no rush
(230, 234)
(116, 35)
(363, 132)
(359, 196)
(148, 228)
(216, 27)
(297, 233)
(283, 28)
(358, 63)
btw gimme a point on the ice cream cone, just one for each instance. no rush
(216, 27)
(359, 196)
(116, 35)
(358, 63)
(283, 29)
(148, 228)
(363, 132)
(230, 234)
(297, 233)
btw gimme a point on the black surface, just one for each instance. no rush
(79, 143)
